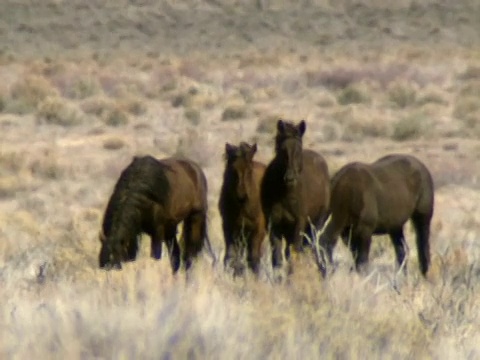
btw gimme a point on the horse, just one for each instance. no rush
(295, 191)
(379, 198)
(153, 196)
(243, 222)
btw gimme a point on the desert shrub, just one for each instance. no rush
(192, 115)
(402, 94)
(113, 143)
(198, 96)
(83, 87)
(268, 123)
(46, 166)
(431, 96)
(353, 94)
(234, 112)
(54, 110)
(115, 117)
(466, 106)
(326, 99)
(409, 127)
(28, 93)
(358, 129)
(3, 101)
(471, 88)
(98, 106)
(471, 72)
(134, 106)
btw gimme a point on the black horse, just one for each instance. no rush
(295, 191)
(379, 198)
(153, 196)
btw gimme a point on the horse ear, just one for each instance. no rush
(230, 150)
(280, 126)
(302, 127)
(252, 149)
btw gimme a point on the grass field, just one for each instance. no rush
(84, 87)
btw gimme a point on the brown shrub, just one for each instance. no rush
(402, 94)
(27, 94)
(234, 112)
(115, 117)
(353, 94)
(113, 143)
(55, 110)
(410, 127)
(268, 123)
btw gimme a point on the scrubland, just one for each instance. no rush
(86, 87)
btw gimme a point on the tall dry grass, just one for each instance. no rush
(55, 180)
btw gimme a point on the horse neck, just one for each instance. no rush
(125, 218)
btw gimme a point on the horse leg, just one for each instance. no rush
(194, 229)
(360, 247)
(255, 250)
(132, 250)
(156, 246)
(398, 241)
(276, 245)
(421, 224)
(229, 244)
(173, 247)
(297, 235)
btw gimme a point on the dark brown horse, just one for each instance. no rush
(243, 222)
(379, 198)
(153, 196)
(295, 191)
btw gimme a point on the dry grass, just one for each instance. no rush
(380, 86)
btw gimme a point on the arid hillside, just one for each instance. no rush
(85, 86)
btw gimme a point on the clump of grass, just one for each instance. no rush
(57, 111)
(193, 116)
(409, 127)
(402, 94)
(28, 93)
(113, 143)
(234, 112)
(353, 94)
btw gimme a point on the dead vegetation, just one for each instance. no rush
(79, 98)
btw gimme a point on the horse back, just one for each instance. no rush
(409, 177)
(188, 186)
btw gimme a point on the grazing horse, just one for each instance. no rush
(295, 191)
(153, 196)
(379, 198)
(243, 222)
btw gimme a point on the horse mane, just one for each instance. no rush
(144, 178)
(289, 130)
